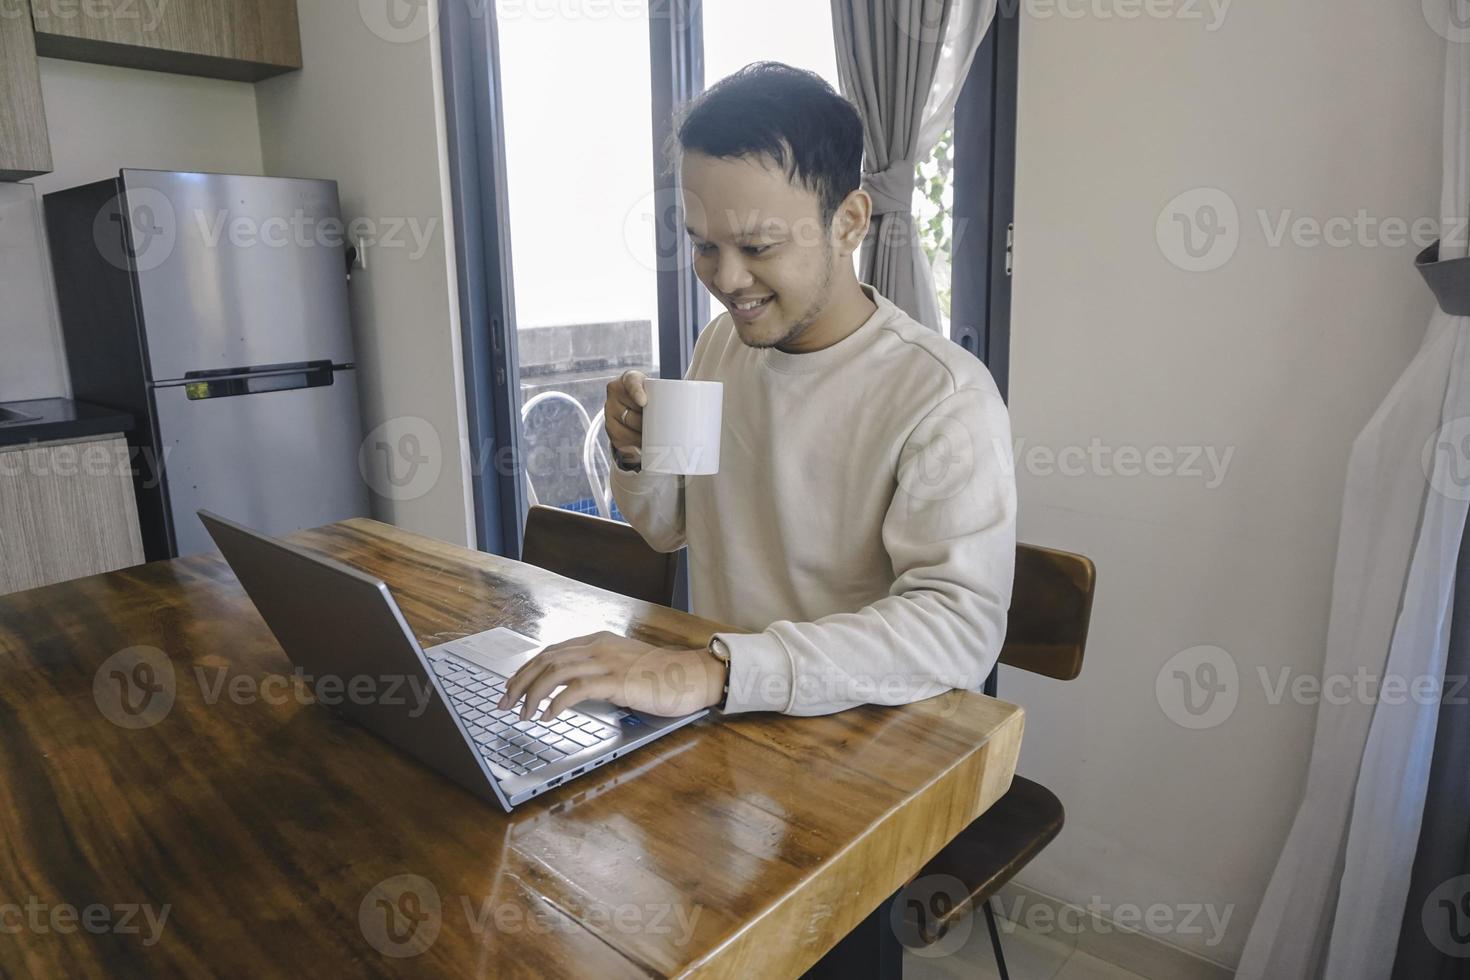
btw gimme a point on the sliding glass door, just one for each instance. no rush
(580, 180)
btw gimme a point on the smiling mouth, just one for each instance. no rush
(752, 305)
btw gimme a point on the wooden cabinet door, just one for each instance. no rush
(66, 510)
(245, 40)
(25, 150)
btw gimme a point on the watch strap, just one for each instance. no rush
(721, 652)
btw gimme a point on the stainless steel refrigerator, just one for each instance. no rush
(214, 309)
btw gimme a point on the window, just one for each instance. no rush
(738, 32)
(575, 336)
(934, 217)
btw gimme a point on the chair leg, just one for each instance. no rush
(1000, 956)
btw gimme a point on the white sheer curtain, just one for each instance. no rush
(969, 20)
(1336, 900)
(903, 63)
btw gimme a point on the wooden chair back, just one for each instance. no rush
(596, 551)
(1051, 606)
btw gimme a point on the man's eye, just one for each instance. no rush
(703, 248)
(756, 249)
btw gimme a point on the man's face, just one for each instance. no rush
(758, 237)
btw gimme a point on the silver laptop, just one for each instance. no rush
(437, 704)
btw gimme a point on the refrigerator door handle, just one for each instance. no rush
(232, 382)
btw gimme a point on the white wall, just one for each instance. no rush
(368, 113)
(1280, 355)
(102, 120)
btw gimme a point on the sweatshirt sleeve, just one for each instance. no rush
(654, 504)
(950, 532)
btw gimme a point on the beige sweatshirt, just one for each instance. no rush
(862, 524)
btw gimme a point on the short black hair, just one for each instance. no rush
(790, 115)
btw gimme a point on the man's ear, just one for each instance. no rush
(850, 223)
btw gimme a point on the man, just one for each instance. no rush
(862, 523)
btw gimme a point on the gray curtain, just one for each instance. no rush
(903, 62)
(1444, 838)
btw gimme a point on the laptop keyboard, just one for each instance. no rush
(517, 746)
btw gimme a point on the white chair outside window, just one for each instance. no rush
(595, 465)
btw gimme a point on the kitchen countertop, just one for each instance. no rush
(60, 418)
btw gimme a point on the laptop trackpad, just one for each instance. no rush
(501, 650)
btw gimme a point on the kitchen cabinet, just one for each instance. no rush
(241, 40)
(66, 510)
(67, 504)
(25, 150)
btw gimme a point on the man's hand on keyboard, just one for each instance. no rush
(637, 675)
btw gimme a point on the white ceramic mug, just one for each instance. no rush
(681, 426)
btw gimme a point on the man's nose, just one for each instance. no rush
(731, 276)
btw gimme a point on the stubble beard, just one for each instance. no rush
(809, 317)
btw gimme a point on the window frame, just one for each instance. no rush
(469, 43)
(676, 40)
(985, 199)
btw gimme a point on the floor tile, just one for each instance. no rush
(1029, 956)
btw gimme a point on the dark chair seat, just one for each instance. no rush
(991, 851)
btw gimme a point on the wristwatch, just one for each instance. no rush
(721, 652)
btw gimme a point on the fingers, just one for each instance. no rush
(633, 385)
(543, 675)
(592, 666)
(623, 415)
(632, 424)
(624, 435)
(534, 688)
(622, 410)
(579, 690)
(519, 681)
(527, 675)
(545, 685)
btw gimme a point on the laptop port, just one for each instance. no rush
(554, 782)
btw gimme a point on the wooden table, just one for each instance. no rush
(282, 840)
